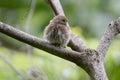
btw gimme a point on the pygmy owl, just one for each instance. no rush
(57, 32)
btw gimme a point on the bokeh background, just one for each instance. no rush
(87, 18)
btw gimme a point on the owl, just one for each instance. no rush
(57, 32)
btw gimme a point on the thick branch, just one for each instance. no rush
(93, 65)
(75, 43)
(112, 30)
(38, 43)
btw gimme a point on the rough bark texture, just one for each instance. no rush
(92, 61)
(112, 30)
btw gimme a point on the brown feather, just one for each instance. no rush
(56, 32)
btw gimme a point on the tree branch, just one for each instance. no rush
(56, 7)
(77, 43)
(38, 43)
(90, 60)
(112, 30)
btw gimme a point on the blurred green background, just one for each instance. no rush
(87, 18)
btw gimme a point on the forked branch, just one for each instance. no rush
(90, 60)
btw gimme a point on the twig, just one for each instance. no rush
(30, 14)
